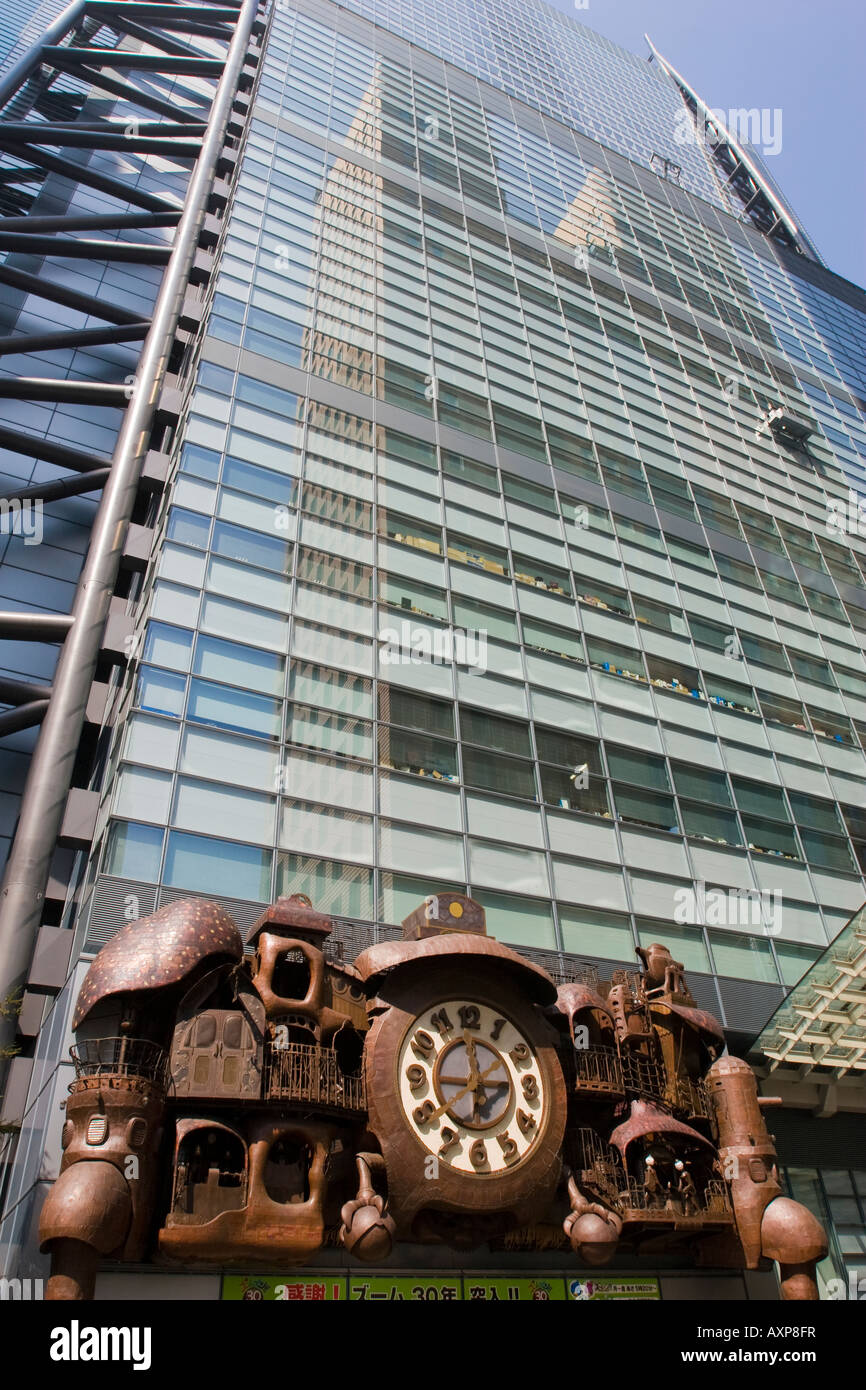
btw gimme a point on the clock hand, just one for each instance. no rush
(471, 1085)
(469, 1044)
(479, 1095)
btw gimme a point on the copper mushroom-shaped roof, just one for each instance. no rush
(698, 1018)
(575, 996)
(647, 1118)
(159, 950)
(388, 955)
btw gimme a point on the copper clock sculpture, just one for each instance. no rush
(233, 1109)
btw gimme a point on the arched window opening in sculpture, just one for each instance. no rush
(210, 1176)
(287, 1171)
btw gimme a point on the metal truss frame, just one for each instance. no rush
(120, 49)
(738, 172)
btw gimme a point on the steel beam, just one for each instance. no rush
(13, 692)
(59, 488)
(51, 768)
(207, 31)
(26, 174)
(115, 134)
(72, 299)
(72, 338)
(163, 16)
(41, 135)
(82, 173)
(96, 77)
(140, 252)
(135, 221)
(49, 388)
(121, 20)
(35, 627)
(32, 446)
(24, 717)
(29, 61)
(68, 59)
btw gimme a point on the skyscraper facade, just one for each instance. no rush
(511, 545)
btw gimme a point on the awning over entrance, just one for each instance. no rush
(822, 1023)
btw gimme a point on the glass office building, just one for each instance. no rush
(510, 543)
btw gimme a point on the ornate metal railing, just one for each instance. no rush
(598, 1069)
(690, 1094)
(305, 1072)
(712, 1201)
(116, 1061)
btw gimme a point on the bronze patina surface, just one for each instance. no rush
(441, 1088)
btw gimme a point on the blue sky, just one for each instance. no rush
(804, 57)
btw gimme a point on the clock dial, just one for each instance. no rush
(471, 1087)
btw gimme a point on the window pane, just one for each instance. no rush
(517, 921)
(520, 870)
(168, 646)
(330, 732)
(207, 753)
(498, 774)
(588, 932)
(567, 749)
(134, 851)
(645, 808)
(758, 799)
(408, 847)
(218, 866)
(768, 837)
(572, 792)
(699, 783)
(794, 961)
(708, 823)
(815, 813)
(336, 690)
(209, 807)
(418, 754)
(307, 827)
(240, 710)
(159, 691)
(397, 706)
(641, 768)
(491, 732)
(827, 851)
(343, 889)
(744, 957)
(243, 666)
(141, 791)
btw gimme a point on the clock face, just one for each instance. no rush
(471, 1087)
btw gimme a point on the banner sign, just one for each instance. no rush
(461, 1286)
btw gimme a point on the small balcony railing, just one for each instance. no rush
(131, 1062)
(691, 1095)
(712, 1202)
(305, 1072)
(598, 1069)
